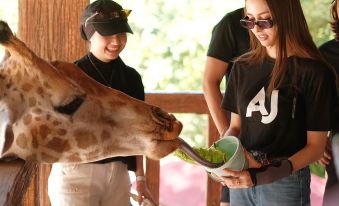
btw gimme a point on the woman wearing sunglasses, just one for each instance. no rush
(282, 96)
(330, 51)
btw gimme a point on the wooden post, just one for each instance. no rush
(51, 29)
(213, 188)
(153, 177)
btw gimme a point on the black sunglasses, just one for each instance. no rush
(250, 23)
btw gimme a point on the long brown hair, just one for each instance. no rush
(335, 22)
(292, 30)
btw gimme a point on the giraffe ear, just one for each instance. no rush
(6, 134)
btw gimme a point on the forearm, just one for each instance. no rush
(278, 169)
(309, 154)
(213, 99)
(215, 71)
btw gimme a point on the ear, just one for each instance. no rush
(6, 134)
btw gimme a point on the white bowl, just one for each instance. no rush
(235, 155)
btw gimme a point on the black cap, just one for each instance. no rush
(106, 17)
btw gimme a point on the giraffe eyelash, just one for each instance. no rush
(71, 107)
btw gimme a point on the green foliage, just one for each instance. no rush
(317, 14)
(318, 169)
(210, 154)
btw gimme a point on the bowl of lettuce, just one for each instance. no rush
(227, 152)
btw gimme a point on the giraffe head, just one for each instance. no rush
(53, 112)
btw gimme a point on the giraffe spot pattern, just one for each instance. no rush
(61, 132)
(93, 155)
(56, 123)
(44, 131)
(27, 119)
(74, 158)
(84, 139)
(40, 91)
(34, 141)
(46, 85)
(27, 87)
(21, 141)
(37, 111)
(58, 145)
(31, 101)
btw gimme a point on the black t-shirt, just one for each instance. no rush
(120, 77)
(330, 51)
(278, 124)
(229, 39)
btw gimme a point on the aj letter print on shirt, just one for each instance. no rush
(257, 104)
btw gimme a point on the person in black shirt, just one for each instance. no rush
(106, 182)
(229, 40)
(282, 96)
(330, 51)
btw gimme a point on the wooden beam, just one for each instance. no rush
(189, 102)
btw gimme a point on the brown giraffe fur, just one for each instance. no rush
(56, 113)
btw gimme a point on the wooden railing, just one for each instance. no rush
(191, 102)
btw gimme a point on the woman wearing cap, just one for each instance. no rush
(282, 96)
(106, 182)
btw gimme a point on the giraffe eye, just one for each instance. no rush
(71, 107)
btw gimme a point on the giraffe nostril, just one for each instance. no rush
(162, 118)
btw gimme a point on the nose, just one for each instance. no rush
(256, 28)
(115, 40)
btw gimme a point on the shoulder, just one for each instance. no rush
(231, 19)
(132, 73)
(233, 16)
(329, 45)
(83, 62)
(314, 69)
(330, 49)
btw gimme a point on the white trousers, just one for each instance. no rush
(89, 185)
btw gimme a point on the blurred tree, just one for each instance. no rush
(317, 14)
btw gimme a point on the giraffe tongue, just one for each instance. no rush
(190, 152)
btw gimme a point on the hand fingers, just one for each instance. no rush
(322, 162)
(327, 155)
(232, 173)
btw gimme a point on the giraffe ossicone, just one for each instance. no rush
(53, 112)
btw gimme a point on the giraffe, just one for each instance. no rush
(53, 112)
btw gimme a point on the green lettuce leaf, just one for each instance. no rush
(211, 154)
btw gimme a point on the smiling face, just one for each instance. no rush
(107, 48)
(259, 10)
